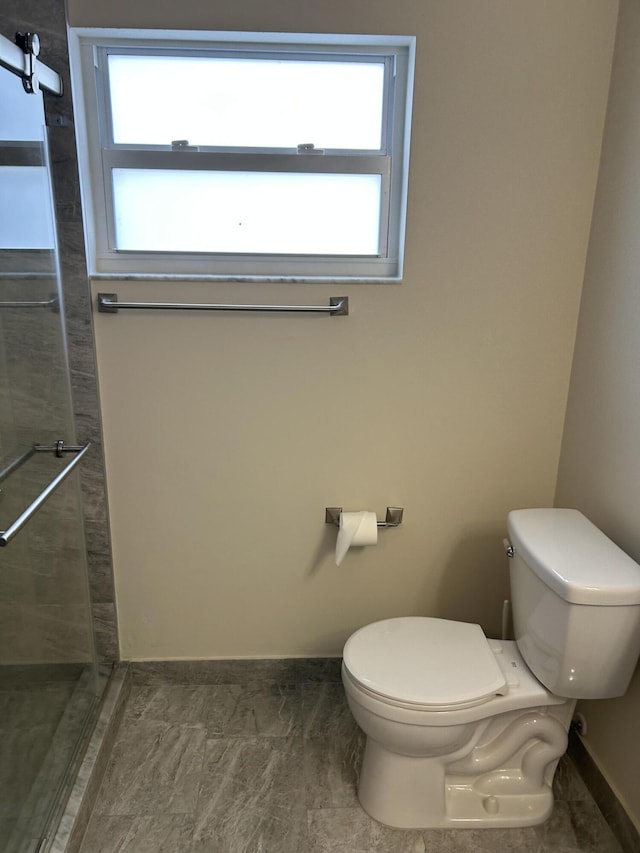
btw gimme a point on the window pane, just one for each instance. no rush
(269, 213)
(254, 103)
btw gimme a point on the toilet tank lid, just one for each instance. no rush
(419, 660)
(573, 557)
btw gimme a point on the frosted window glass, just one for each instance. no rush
(250, 103)
(246, 212)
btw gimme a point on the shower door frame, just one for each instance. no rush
(43, 481)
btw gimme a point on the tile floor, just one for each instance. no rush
(272, 768)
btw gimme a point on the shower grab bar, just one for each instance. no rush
(338, 306)
(59, 448)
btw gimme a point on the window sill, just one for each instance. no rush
(281, 279)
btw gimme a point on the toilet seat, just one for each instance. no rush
(424, 663)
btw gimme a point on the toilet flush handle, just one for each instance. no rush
(508, 548)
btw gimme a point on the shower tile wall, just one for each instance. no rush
(47, 18)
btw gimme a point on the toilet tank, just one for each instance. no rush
(576, 603)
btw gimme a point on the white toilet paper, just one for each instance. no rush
(356, 528)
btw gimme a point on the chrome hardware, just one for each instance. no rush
(13, 466)
(338, 306)
(21, 58)
(309, 148)
(58, 448)
(393, 517)
(52, 303)
(29, 43)
(509, 550)
(182, 145)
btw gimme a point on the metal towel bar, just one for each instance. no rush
(13, 466)
(59, 448)
(42, 303)
(338, 306)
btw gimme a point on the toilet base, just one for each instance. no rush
(406, 792)
(467, 806)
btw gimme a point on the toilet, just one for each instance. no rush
(466, 731)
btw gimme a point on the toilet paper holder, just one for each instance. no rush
(393, 517)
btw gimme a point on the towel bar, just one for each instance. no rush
(338, 306)
(59, 448)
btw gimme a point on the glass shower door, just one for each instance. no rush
(48, 673)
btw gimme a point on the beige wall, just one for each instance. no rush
(600, 464)
(227, 435)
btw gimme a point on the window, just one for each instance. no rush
(263, 158)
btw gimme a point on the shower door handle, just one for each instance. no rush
(7, 535)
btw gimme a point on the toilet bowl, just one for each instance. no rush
(467, 731)
(438, 757)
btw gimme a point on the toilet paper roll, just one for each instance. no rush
(356, 529)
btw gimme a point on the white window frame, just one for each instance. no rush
(99, 154)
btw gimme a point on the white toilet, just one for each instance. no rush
(463, 731)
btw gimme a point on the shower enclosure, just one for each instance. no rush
(50, 682)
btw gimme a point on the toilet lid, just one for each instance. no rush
(434, 663)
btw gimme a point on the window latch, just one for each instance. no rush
(309, 148)
(182, 145)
